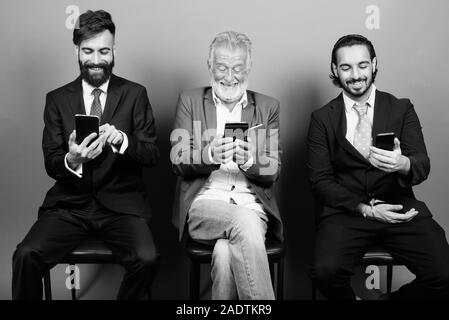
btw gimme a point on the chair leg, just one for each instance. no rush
(72, 273)
(389, 277)
(47, 285)
(271, 264)
(194, 280)
(280, 280)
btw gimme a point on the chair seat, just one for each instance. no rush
(203, 252)
(91, 250)
(377, 256)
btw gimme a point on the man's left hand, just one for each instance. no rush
(110, 135)
(390, 161)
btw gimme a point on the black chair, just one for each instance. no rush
(90, 251)
(374, 256)
(201, 253)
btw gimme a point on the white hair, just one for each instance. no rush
(233, 40)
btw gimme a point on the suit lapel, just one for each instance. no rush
(75, 97)
(382, 112)
(112, 99)
(210, 113)
(338, 119)
(248, 111)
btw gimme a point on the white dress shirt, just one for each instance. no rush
(228, 182)
(88, 99)
(352, 117)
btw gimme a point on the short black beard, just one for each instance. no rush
(343, 86)
(97, 80)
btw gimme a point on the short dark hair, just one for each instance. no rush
(349, 41)
(91, 23)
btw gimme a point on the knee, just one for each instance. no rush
(248, 224)
(146, 258)
(441, 278)
(24, 252)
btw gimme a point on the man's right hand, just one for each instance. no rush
(222, 149)
(388, 213)
(79, 154)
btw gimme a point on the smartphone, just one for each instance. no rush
(237, 130)
(85, 125)
(385, 141)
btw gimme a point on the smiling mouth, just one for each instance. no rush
(96, 69)
(229, 85)
(357, 84)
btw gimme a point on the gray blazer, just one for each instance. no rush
(196, 119)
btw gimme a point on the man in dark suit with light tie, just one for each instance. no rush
(225, 187)
(99, 188)
(364, 193)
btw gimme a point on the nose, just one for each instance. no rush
(228, 75)
(96, 57)
(355, 73)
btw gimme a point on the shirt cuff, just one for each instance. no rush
(247, 164)
(211, 159)
(77, 172)
(124, 145)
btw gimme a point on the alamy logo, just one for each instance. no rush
(372, 22)
(73, 280)
(373, 280)
(73, 12)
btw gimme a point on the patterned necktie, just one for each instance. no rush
(95, 109)
(362, 135)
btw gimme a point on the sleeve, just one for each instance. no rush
(55, 145)
(324, 186)
(78, 170)
(266, 165)
(413, 147)
(189, 159)
(142, 146)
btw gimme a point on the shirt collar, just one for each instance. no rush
(87, 88)
(349, 103)
(243, 100)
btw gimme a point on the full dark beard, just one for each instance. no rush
(97, 79)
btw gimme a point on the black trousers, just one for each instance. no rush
(342, 240)
(58, 231)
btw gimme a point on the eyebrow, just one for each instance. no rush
(101, 49)
(348, 64)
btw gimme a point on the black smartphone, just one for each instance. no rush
(385, 141)
(85, 125)
(237, 130)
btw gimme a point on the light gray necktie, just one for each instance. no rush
(362, 134)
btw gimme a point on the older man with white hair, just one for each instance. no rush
(225, 196)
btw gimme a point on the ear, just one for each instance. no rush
(334, 69)
(77, 51)
(374, 62)
(114, 50)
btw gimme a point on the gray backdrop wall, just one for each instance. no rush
(163, 44)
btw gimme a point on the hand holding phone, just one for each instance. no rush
(83, 143)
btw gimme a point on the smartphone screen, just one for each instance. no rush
(237, 130)
(85, 125)
(385, 141)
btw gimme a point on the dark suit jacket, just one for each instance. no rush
(197, 106)
(341, 177)
(115, 180)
